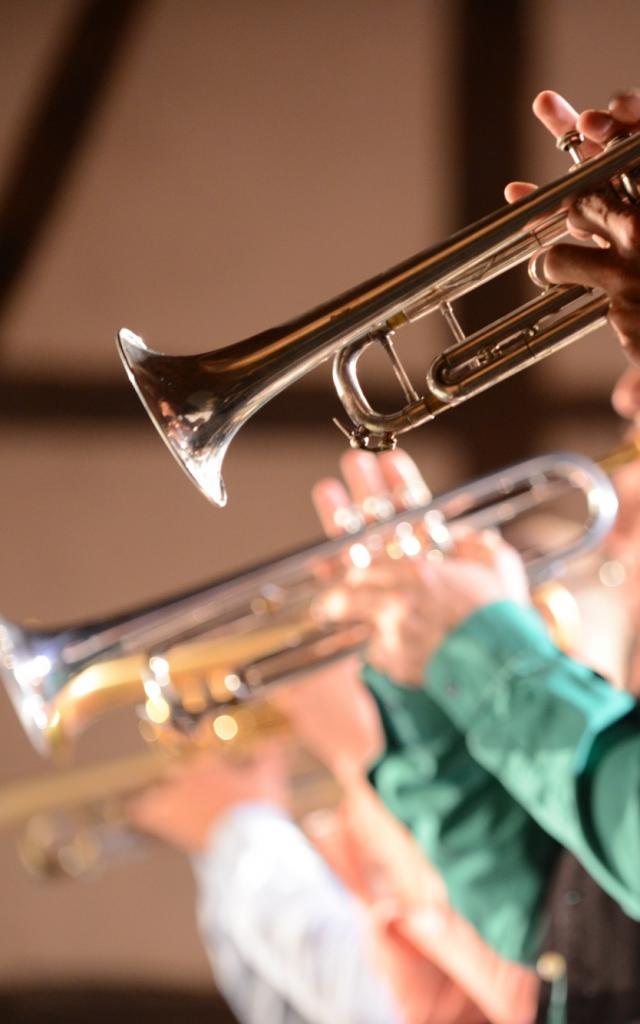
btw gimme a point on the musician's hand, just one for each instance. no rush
(411, 605)
(413, 602)
(557, 115)
(185, 809)
(614, 266)
(626, 398)
(335, 717)
(374, 486)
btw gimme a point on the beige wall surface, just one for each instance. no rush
(249, 159)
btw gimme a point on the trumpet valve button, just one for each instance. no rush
(569, 142)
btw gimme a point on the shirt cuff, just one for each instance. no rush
(409, 715)
(500, 671)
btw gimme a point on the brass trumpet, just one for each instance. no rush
(196, 654)
(75, 823)
(202, 661)
(199, 402)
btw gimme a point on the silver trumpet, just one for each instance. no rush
(194, 655)
(198, 664)
(199, 402)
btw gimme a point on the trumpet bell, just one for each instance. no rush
(25, 670)
(188, 407)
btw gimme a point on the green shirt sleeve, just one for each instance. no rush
(559, 738)
(495, 860)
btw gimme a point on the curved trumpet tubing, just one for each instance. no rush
(76, 823)
(194, 654)
(198, 403)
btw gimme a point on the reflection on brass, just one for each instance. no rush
(559, 609)
(551, 966)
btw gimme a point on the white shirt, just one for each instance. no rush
(287, 941)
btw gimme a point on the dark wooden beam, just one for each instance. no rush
(491, 69)
(101, 1003)
(70, 91)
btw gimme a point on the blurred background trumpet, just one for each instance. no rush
(200, 666)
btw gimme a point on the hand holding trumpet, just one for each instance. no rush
(412, 603)
(614, 265)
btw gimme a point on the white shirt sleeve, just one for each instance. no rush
(286, 940)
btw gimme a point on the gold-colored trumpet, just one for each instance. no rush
(75, 823)
(203, 661)
(199, 402)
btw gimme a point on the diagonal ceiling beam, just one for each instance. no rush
(55, 129)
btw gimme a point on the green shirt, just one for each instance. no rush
(512, 750)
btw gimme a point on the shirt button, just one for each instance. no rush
(451, 690)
